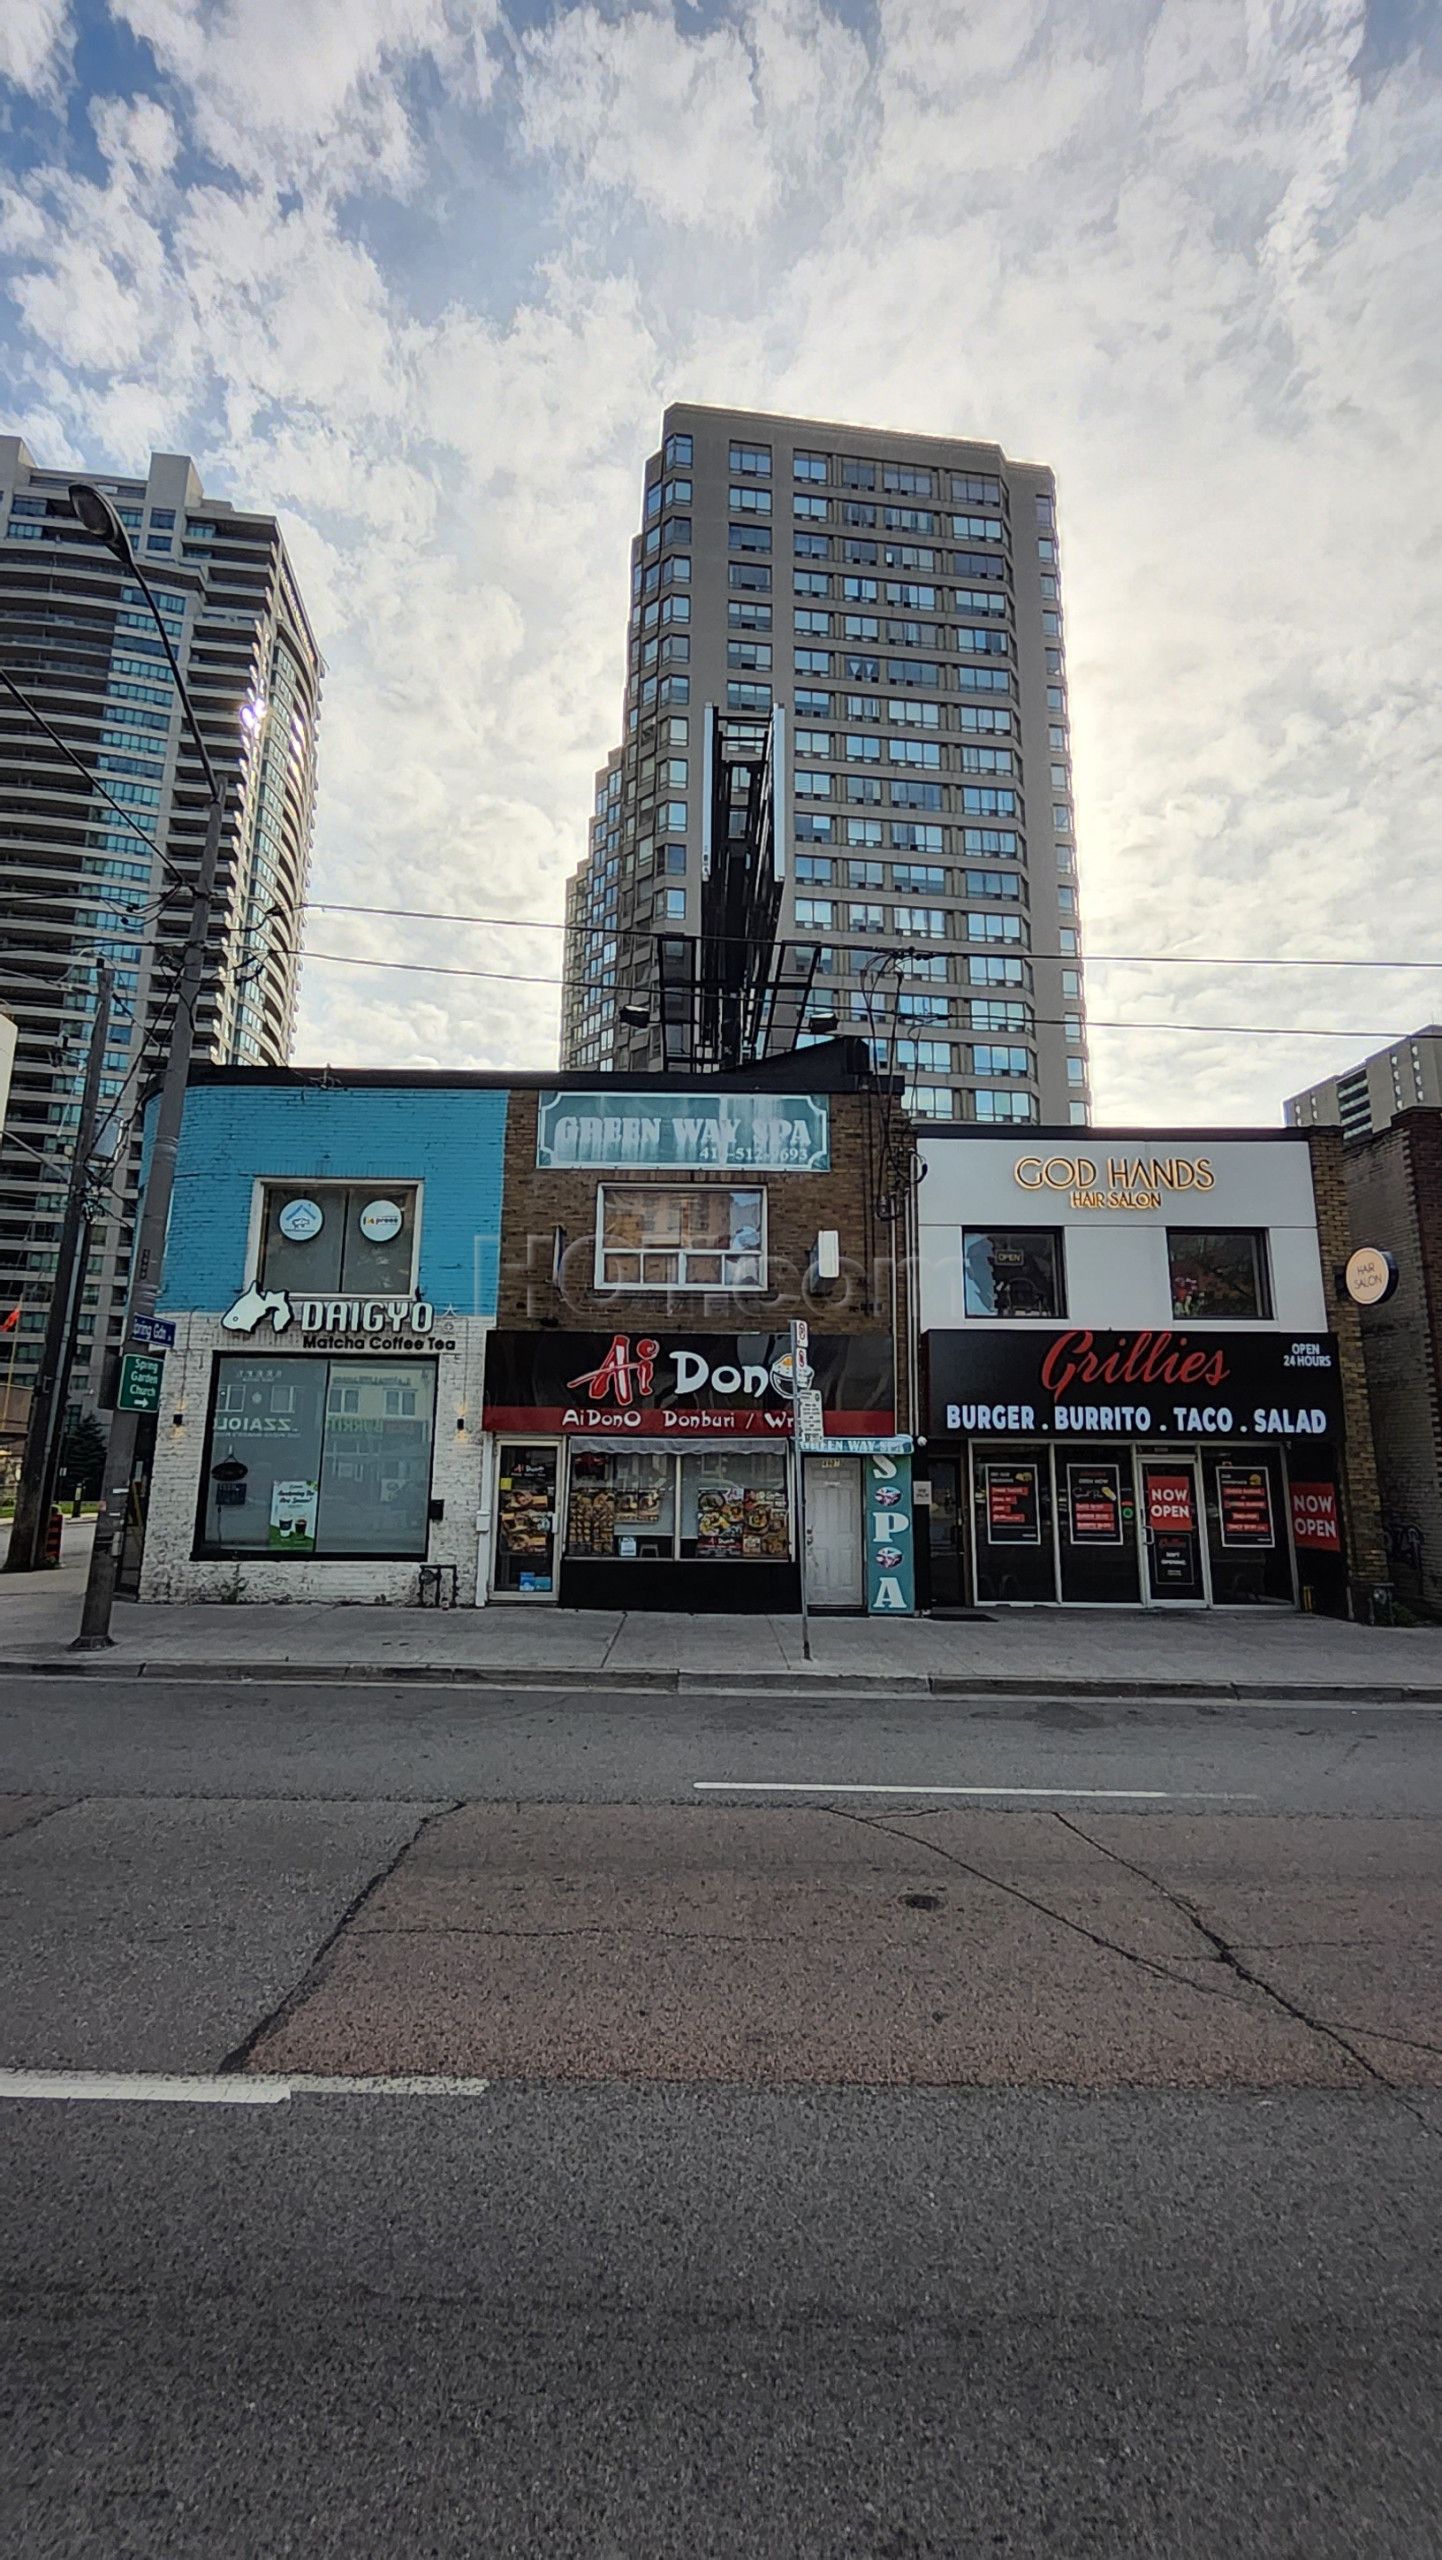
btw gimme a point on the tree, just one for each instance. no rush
(82, 1459)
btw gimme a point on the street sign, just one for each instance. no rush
(157, 1329)
(810, 1416)
(140, 1376)
(896, 1444)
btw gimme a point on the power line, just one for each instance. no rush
(976, 995)
(1092, 959)
(32, 712)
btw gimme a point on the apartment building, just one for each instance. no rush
(1368, 1097)
(886, 610)
(80, 874)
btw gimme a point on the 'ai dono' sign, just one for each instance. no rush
(677, 1132)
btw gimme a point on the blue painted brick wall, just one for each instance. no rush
(451, 1142)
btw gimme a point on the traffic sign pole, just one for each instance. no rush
(800, 1365)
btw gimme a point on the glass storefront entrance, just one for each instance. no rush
(1171, 1526)
(1111, 1525)
(526, 1518)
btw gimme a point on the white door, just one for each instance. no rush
(835, 1576)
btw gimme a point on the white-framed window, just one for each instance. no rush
(680, 1236)
(325, 1239)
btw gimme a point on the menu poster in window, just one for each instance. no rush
(1244, 1507)
(765, 1531)
(293, 1507)
(720, 1520)
(1013, 1506)
(1094, 1496)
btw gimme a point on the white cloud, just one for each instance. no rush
(1174, 248)
(707, 129)
(297, 90)
(34, 35)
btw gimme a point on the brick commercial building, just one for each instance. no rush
(1142, 1383)
(655, 1249)
(1393, 1184)
(530, 1339)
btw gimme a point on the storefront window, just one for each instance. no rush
(1217, 1271)
(734, 1504)
(1012, 1271)
(319, 1458)
(323, 1238)
(635, 1505)
(622, 1504)
(664, 1237)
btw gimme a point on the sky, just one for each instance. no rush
(421, 276)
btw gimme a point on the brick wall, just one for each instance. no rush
(1394, 1191)
(1361, 1502)
(536, 1203)
(171, 1572)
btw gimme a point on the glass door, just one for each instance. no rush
(526, 1518)
(1172, 1528)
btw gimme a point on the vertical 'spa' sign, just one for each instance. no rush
(890, 1548)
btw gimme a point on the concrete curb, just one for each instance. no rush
(790, 1683)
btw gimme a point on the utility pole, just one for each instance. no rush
(35, 1490)
(115, 1486)
(801, 1371)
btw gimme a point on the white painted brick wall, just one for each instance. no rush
(172, 1572)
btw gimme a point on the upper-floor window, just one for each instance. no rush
(755, 458)
(857, 475)
(748, 501)
(678, 450)
(681, 1236)
(903, 478)
(1218, 1272)
(808, 466)
(1012, 1271)
(1003, 1103)
(320, 1239)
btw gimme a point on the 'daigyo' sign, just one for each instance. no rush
(666, 1385)
(1134, 1386)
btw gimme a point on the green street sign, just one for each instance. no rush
(140, 1376)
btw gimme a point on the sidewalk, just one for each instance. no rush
(1023, 1653)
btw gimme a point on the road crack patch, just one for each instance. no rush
(315, 1973)
(1046, 1910)
(1230, 1956)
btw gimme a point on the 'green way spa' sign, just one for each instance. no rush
(679, 1132)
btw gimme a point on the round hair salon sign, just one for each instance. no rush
(1371, 1276)
(299, 1220)
(380, 1220)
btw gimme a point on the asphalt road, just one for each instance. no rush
(417, 1742)
(637, 2325)
(880, 2173)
